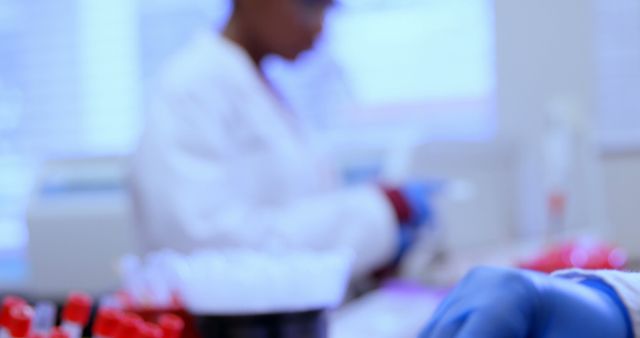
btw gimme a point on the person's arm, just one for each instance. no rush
(496, 303)
(358, 220)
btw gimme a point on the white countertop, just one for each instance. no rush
(399, 310)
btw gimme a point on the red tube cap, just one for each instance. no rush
(107, 323)
(78, 309)
(58, 333)
(150, 331)
(7, 304)
(21, 317)
(129, 327)
(171, 326)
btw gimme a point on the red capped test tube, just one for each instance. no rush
(129, 327)
(21, 317)
(75, 315)
(150, 331)
(171, 326)
(5, 313)
(107, 323)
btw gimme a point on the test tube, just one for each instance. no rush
(107, 323)
(129, 327)
(5, 314)
(150, 331)
(171, 326)
(44, 317)
(21, 318)
(76, 314)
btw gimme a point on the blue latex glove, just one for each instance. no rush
(497, 303)
(418, 195)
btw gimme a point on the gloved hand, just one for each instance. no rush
(497, 303)
(417, 195)
(412, 202)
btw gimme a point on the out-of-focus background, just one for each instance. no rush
(522, 106)
(74, 75)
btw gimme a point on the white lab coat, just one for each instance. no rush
(221, 165)
(626, 284)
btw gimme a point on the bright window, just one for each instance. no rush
(400, 63)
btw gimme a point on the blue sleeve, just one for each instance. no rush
(605, 288)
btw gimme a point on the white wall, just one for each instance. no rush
(544, 53)
(619, 55)
(622, 183)
(545, 58)
(547, 52)
(480, 208)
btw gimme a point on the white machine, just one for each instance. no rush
(80, 223)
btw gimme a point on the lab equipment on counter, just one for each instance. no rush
(79, 219)
(562, 191)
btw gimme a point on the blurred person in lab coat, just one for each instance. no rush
(222, 162)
